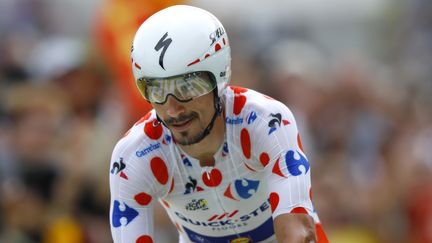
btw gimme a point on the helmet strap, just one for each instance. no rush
(218, 111)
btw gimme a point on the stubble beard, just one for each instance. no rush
(185, 137)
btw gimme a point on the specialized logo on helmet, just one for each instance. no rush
(163, 43)
(216, 35)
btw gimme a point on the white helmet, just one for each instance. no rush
(179, 40)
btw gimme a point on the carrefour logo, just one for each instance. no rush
(251, 117)
(294, 165)
(148, 149)
(122, 214)
(234, 121)
(245, 189)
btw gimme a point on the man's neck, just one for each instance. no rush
(205, 149)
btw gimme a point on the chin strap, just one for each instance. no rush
(218, 111)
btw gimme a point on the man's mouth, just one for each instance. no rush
(181, 126)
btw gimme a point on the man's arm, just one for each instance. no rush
(131, 210)
(288, 175)
(293, 228)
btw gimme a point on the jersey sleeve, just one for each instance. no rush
(279, 153)
(136, 183)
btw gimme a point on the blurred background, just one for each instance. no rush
(356, 74)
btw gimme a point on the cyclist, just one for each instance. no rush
(225, 162)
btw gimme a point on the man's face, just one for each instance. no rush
(187, 120)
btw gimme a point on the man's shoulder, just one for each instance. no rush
(245, 102)
(141, 159)
(252, 113)
(144, 139)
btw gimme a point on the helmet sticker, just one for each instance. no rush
(216, 35)
(163, 43)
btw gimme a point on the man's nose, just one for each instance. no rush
(174, 107)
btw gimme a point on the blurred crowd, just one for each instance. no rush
(359, 85)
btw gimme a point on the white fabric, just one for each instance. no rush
(260, 165)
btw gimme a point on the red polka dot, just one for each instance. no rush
(159, 169)
(238, 90)
(245, 143)
(165, 203)
(299, 210)
(239, 103)
(274, 201)
(206, 55)
(172, 186)
(143, 198)
(310, 193)
(213, 178)
(264, 159)
(224, 41)
(217, 47)
(144, 239)
(153, 129)
(142, 119)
